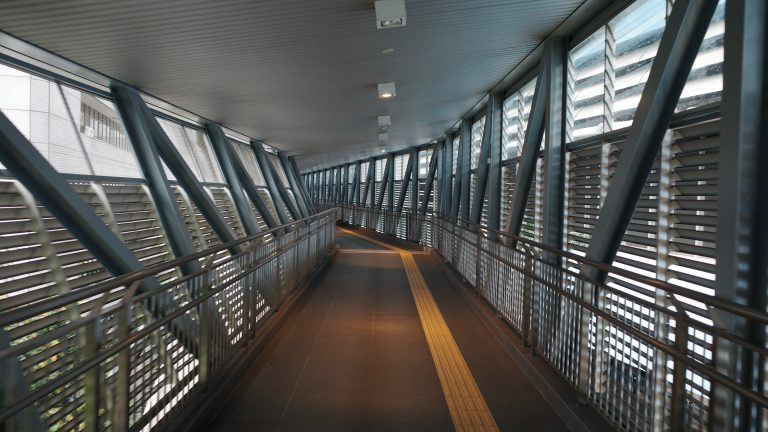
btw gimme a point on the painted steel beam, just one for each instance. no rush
(554, 148)
(356, 185)
(414, 180)
(466, 167)
(303, 186)
(430, 180)
(448, 187)
(220, 146)
(742, 233)
(406, 186)
(175, 162)
(534, 132)
(391, 182)
(368, 182)
(345, 184)
(178, 237)
(685, 29)
(384, 181)
(495, 193)
(274, 184)
(298, 192)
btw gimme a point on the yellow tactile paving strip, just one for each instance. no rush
(465, 402)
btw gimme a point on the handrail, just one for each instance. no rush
(230, 299)
(57, 301)
(724, 304)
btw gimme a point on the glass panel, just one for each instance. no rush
(637, 31)
(705, 82)
(587, 70)
(517, 108)
(477, 141)
(77, 132)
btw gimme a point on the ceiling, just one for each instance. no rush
(299, 74)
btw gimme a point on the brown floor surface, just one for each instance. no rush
(353, 356)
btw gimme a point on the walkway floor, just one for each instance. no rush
(354, 356)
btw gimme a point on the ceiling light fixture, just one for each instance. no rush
(386, 90)
(383, 137)
(390, 13)
(386, 51)
(384, 121)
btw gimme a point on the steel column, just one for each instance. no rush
(298, 192)
(391, 182)
(494, 173)
(742, 234)
(533, 134)
(414, 180)
(384, 181)
(371, 169)
(430, 180)
(685, 29)
(179, 239)
(406, 184)
(220, 146)
(345, 184)
(554, 148)
(275, 186)
(356, 185)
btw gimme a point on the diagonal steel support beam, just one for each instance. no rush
(274, 185)
(526, 169)
(175, 162)
(742, 234)
(430, 180)
(302, 186)
(679, 45)
(296, 185)
(406, 183)
(391, 182)
(369, 175)
(250, 188)
(130, 107)
(356, 185)
(220, 146)
(483, 165)
(49, 187)
(447, 173)
(384, 182)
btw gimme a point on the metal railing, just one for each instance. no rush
(131, 357)
(644, 359)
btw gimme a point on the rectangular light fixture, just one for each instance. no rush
(390, 13)
(384, 121)
(383, 137)
(386, 90)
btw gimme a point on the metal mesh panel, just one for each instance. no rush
(515, 114)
